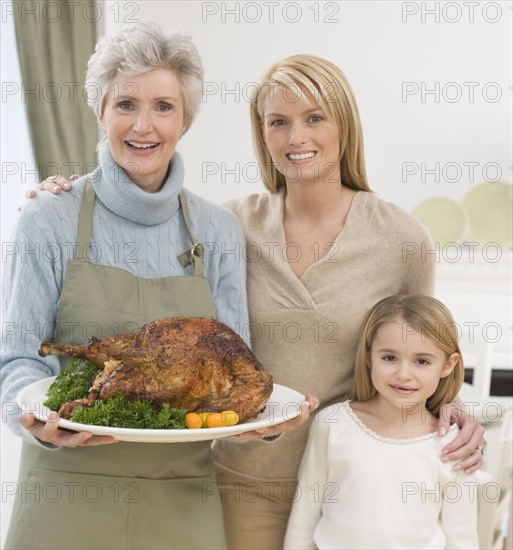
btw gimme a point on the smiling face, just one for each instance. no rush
(303, 141)
(406, 367)
(143, 118)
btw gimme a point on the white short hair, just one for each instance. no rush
(139, 49)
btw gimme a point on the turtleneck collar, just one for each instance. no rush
(122, 196)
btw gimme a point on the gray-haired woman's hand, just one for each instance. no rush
(50, 432)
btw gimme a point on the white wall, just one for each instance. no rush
(383, 47)
(380, 48)
(418, 144)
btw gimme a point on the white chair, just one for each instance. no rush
(473, 302)
(477, 354)
(495, 496)
(479, 357)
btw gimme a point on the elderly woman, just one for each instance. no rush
(134, 227)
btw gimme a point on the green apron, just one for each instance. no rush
(123, 495)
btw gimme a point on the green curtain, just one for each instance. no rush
(55, 39)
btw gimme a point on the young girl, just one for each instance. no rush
(371, 476)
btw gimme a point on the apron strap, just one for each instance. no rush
(196, 253)
(85, 225)
(85, 222)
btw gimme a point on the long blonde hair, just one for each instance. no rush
(429, 317)
(331, 89)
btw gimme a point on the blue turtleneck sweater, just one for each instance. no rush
(140, 232)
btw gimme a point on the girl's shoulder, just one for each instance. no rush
(425, 434)
(336, 414)
(451, 435)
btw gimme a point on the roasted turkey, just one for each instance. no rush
(190, 363)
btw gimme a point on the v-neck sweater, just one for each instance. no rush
(304, 330)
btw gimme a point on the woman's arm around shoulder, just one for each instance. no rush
(469, 444)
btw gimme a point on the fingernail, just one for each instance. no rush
(66, 186)
(53, 178)
(469, 471)
(55, 188)
(456, 468)
(445, 459)
(442, 431)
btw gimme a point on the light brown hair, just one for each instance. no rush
(429, 317)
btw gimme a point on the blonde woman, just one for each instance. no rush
(408, 365)
(326, 250)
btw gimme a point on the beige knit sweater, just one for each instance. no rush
(305, 330)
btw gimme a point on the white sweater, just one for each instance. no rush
(357, 489)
